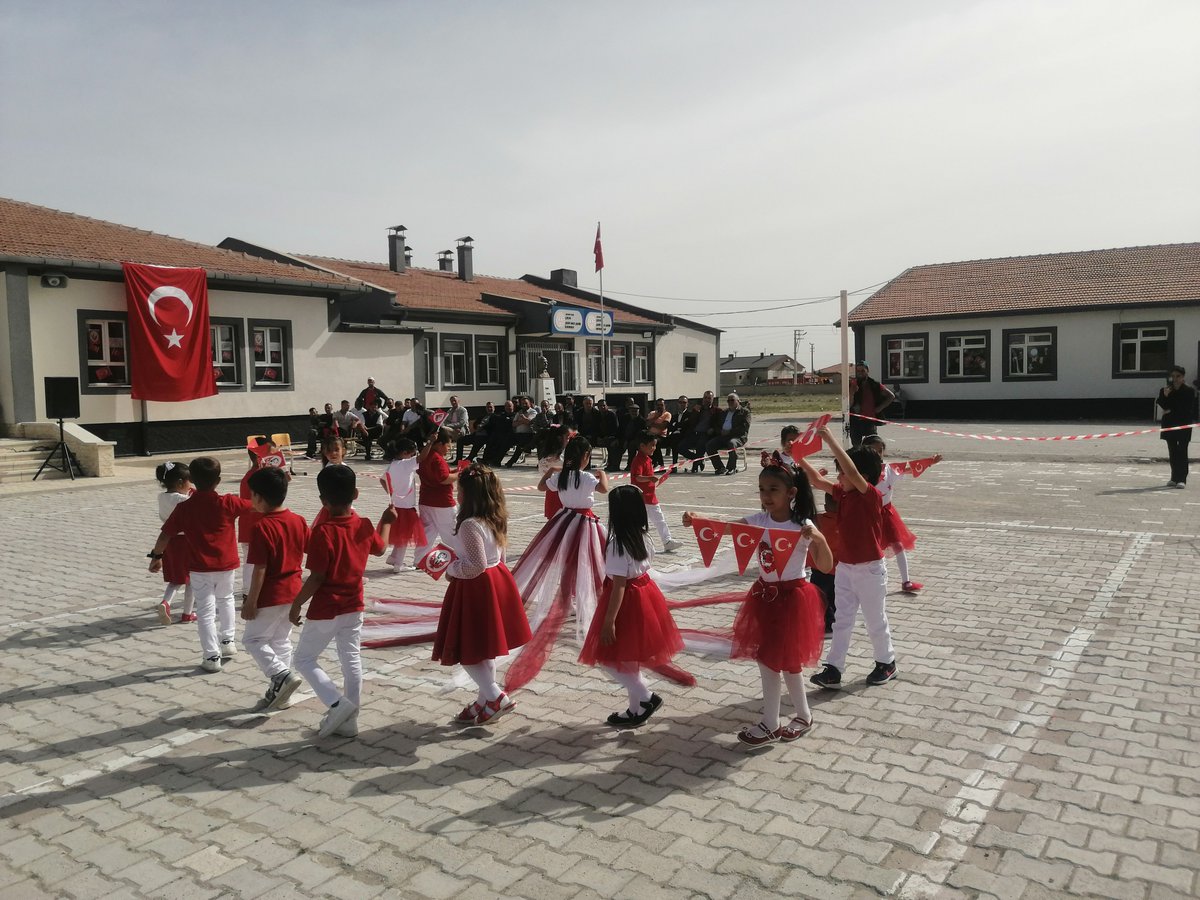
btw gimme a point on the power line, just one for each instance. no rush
(788, 300)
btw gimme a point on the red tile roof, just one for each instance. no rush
(37, 232)
(1126, 276)
(432, 289)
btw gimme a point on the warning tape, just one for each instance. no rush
(1008, 437)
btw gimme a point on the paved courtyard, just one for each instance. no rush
(1041, 739)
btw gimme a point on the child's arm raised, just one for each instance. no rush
(849, 470)
(816, 480)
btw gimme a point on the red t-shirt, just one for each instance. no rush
(860, 525)
(433, 470)
(643, 466)
(339, 547)
(249, 518)
(205, 519)
(278, 545)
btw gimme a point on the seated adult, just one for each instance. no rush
(314, 433)
(373, 420)
(693, 443)
(658, 423)
(499, 435)
(544, 418)
(564, 415)
(729, 433)
(477, 438)
(523, 434)
(681, 424)
(631, 424)
(349, 422)
(456, 421)
(421, 426)
(587, 421)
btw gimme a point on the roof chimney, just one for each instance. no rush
(407, 256)
(465, 269)
(397, 258)
(445, 261)
(565, 277)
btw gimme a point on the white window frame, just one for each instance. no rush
(570, 372)
(427, 344)
(618, 355)
(958, 347)
(1136, 337)
(274, 339)
(691, 362)
(909, 345)
(225, 337)
(487, 361)
(108, 359)
(595, 363)
(641, 363)
(456, 353)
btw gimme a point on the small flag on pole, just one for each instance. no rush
(598, 250)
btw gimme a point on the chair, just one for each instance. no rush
(739, 455)
(253, 439)
(283, 442)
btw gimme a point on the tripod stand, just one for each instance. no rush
(68, 464)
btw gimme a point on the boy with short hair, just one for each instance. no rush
(861, 578)
(337, 556)
(206, 521)
(641, 471)
(275, 557)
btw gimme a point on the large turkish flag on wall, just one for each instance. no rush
(170, 346)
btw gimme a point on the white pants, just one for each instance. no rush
(860, 585)
(315, 636)
(438, 522)
(268, 639)
(247, 569)
(655, 514)
(214, 609)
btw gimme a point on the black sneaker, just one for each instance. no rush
(829, 677)
(882, 673)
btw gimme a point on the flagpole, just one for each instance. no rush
(603, 329)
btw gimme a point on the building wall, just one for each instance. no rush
(670, 380)
(6, 387)
(473, 397)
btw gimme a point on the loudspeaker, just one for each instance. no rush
(62, 398)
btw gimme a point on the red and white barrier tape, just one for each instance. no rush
(1007, 437)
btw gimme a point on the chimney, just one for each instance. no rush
(565, 277)
(465, 270)
(445, 262)
(398, 258)
(407, 256)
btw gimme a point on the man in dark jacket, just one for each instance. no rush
(869, 398)
(370, 395)
(1178, 402)
(729, 432)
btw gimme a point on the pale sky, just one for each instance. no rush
(739, 154)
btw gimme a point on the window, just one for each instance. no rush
(456, 370)
(426, 350)
(691, 362)
(570, 373)
(906, 357)
(618, 355)
(641, 362)
(966, 355)
(1143, 349)
(487, 361)
(103, 363)
(227, 351)
(1030, 355)
(271, 353)
(595, 364)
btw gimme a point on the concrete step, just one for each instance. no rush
(20, 460)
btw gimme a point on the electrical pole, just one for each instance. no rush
(812, 358)
(797, 337)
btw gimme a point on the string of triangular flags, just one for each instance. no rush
(746, 539)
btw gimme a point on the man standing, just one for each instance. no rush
(729, 434)
(870, 398)
(369, 396)
(1178, 402)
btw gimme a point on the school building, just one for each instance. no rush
(290, 332)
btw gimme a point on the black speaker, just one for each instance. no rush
(62, 398)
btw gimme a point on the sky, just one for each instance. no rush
(746, 160)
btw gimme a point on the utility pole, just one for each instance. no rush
(797, 337)
(812, 357)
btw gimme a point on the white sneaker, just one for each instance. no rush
(1181, 484)
(228, 649)
(1172, 484)
(336, 716)
(283, 693)
(672, 546)
(349, 728)
(212, 664)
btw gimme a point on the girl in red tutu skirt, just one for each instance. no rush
(897, 539)
(400, 481)
(632, 627)
(482, 616)
(176, 479)
(781, 623)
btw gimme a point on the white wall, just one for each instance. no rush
(1085, 354)
(439, 397)
(6, 387)
(670, 379)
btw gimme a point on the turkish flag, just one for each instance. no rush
(783, 545)
(708, 536)
(436, 561)
(917, 466)
(598, 250)
(745, 542)
(170, 347)
(437, 417)
(809, 442)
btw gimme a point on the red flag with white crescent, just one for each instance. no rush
(783, 545)
(917, 466)
(170, 347)
(809, 442)
(437, 417)
(708, 536)
(745, 542)
(436, 561)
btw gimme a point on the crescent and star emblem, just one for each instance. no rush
(174, 339)
(743, 543)
(706, 534)
(781, 544)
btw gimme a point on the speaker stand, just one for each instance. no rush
(68, 464)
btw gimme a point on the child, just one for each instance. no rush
(245, 525)
(861, 579)
(632, 627)
(896, 536)
(333, 453)
(549, 449)
(788, 436)
(274, 558)
(401, 479)
(337, 555)
(824, 581)
(206, 521)
(482, 615)
(437, 511)
(781, 624)
(642, 476)
(176, 479)
(563, 566)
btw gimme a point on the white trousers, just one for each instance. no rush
(317, 634)
(438, 522)
(659, 520)
(214, 609)
(855, 586)
(268, 639)
(247, 569)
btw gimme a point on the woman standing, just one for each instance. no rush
(1178, 402)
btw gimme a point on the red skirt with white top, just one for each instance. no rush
(407, 530)
(896, 536)
(482, 618)
(646, 633)
(175, 560)
(781, 624)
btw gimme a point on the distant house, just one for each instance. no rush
(761, 369)
(1071, 335)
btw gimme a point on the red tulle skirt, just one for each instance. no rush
(896, 535)
(407, 530)
(781, 624)
(175, 561)
(646, 633)
(482, 618)
(551, 504)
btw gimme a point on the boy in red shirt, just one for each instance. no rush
(275, 557)
(206, 521)
(641, 474)
(861, 579)
(337, 555)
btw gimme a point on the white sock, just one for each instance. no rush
(634, 686)
(772, 689)
(795, 686)
(189, 600)
(169, 592)
(902, 565)
(484, 675)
